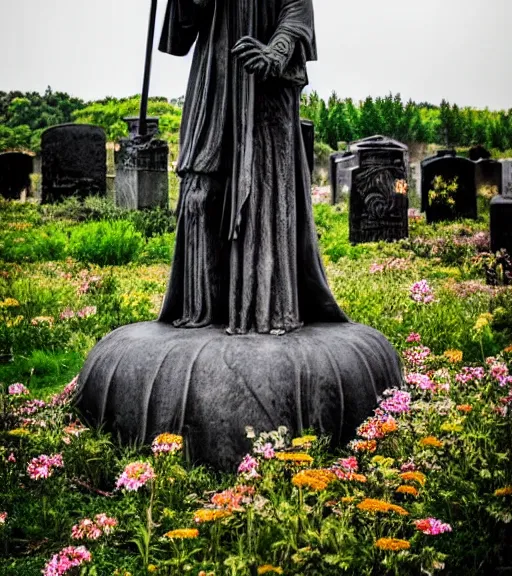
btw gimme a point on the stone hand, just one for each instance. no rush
(256, 57)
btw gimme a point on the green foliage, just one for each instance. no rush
(106, 243)
(443, 192)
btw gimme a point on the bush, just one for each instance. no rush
(106, 243)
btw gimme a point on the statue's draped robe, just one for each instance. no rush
(246, 249)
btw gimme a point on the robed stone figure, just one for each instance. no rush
(246, 250)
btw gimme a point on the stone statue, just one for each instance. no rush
(246, 258)
(246, 252)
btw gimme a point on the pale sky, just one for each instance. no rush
(460, 50)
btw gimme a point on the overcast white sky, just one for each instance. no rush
(426, 50)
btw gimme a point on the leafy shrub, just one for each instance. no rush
(29, 245)
(106, 243)
(153, 222)
(158, 249)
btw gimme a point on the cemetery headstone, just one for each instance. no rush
(489, 174)
(142, 168)
(342, 169)
(379, 199)
(74, 162)
(506, 169)
(501, 228)
(15, 171)
(448, 187)
(308, 135)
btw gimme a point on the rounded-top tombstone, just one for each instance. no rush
(378, 201)
(15, 171)
(74, 162)
(438, 200)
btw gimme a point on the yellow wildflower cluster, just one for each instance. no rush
(268, 569)
(482, 322)
(406, 489)
(431, 441)
(314, 479)
(9, 303)
(451, 427)
(507, 491)
(303, 441)
(393, 544)
(295, 457)
(210, 515)
(14, 322)
(454, 356)
(170, 439)
(418, 477)
(371, 505)
(20, 432)
(182, 534)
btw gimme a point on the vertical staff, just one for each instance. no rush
(147, 70)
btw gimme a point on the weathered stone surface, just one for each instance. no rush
(15, 171)
(150, 378)
(308, 135)
(74, 162)
(489, 173)
(379, 200)
(343, 165)
(506, 185)
(449, 166)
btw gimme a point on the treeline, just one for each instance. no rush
(342, 120)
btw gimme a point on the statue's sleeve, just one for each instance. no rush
(293, 41)
(180, 27)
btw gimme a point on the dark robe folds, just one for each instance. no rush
(246, 250)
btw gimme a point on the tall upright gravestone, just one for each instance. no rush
(74, 162)
(379, 196)
(342, 167)
(448, 187)
(15, 171)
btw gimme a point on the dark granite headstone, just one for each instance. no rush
(15, 171)
(489, 173)
(74, 162)
(379, 199)
(308, 135)
(142, 169)
(501, 222)
(450, 167)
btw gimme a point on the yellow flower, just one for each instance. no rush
(170, 439)
(394, 544)
(295, 457)
(9, 303)
(482, 322)
(451, 427)
(15, 322)
(418, 477)
(507, 491)
(371, 505)
(210, 515)
(182, 534)
(454, 356)
(152, 568)
(314, 479)
(348, 499)
(383, 462)
(268, 568)
(303, 441)
(20, 432)
(405, 489)
(431, 441)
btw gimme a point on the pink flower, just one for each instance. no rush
(266, 450)
(87, 311)
(18, 389)
(422, 293)
(432, 527)
(376, 268)
(249, 467)
(31, 407)
(135, 476)
(408, 467)
(12, 458)
(413, 337)
(106, 523)
(421, 381)
(348, 464)
(398, 403)
(469, 374)
(66, 560)
(88, 529)
(417, 356)
(43, 466)
(66, 395)
(67, 314)
(3, 517)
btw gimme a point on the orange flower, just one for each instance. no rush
(467, 408)
(418, 477)
(365, 445)
(431, 441)
(454, 356)
(507, 491)
(182, 534)
(411, 490)
(371, 505)
(314, 479)
(209, 515)
(295, 457)
(508, 349)
(394, 544)
(347, 499)
(389, 426)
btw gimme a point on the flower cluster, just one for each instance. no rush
(167, 444)
(432, 526)
(249, 467)
(18, 389)
(294, 457)
(393, 544)
(316, 480)
(182, 534)
(372, 505)
(66, 560)
(233, 499)
(469, 374)
(420, 381)
(422, 293)
(378, 426)
(135, 476)
(88, 529)
(210, 515)
(398, 402)
(43, 466)
(3, 517)
(417, 356)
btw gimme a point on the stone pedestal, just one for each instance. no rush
(142, 173)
